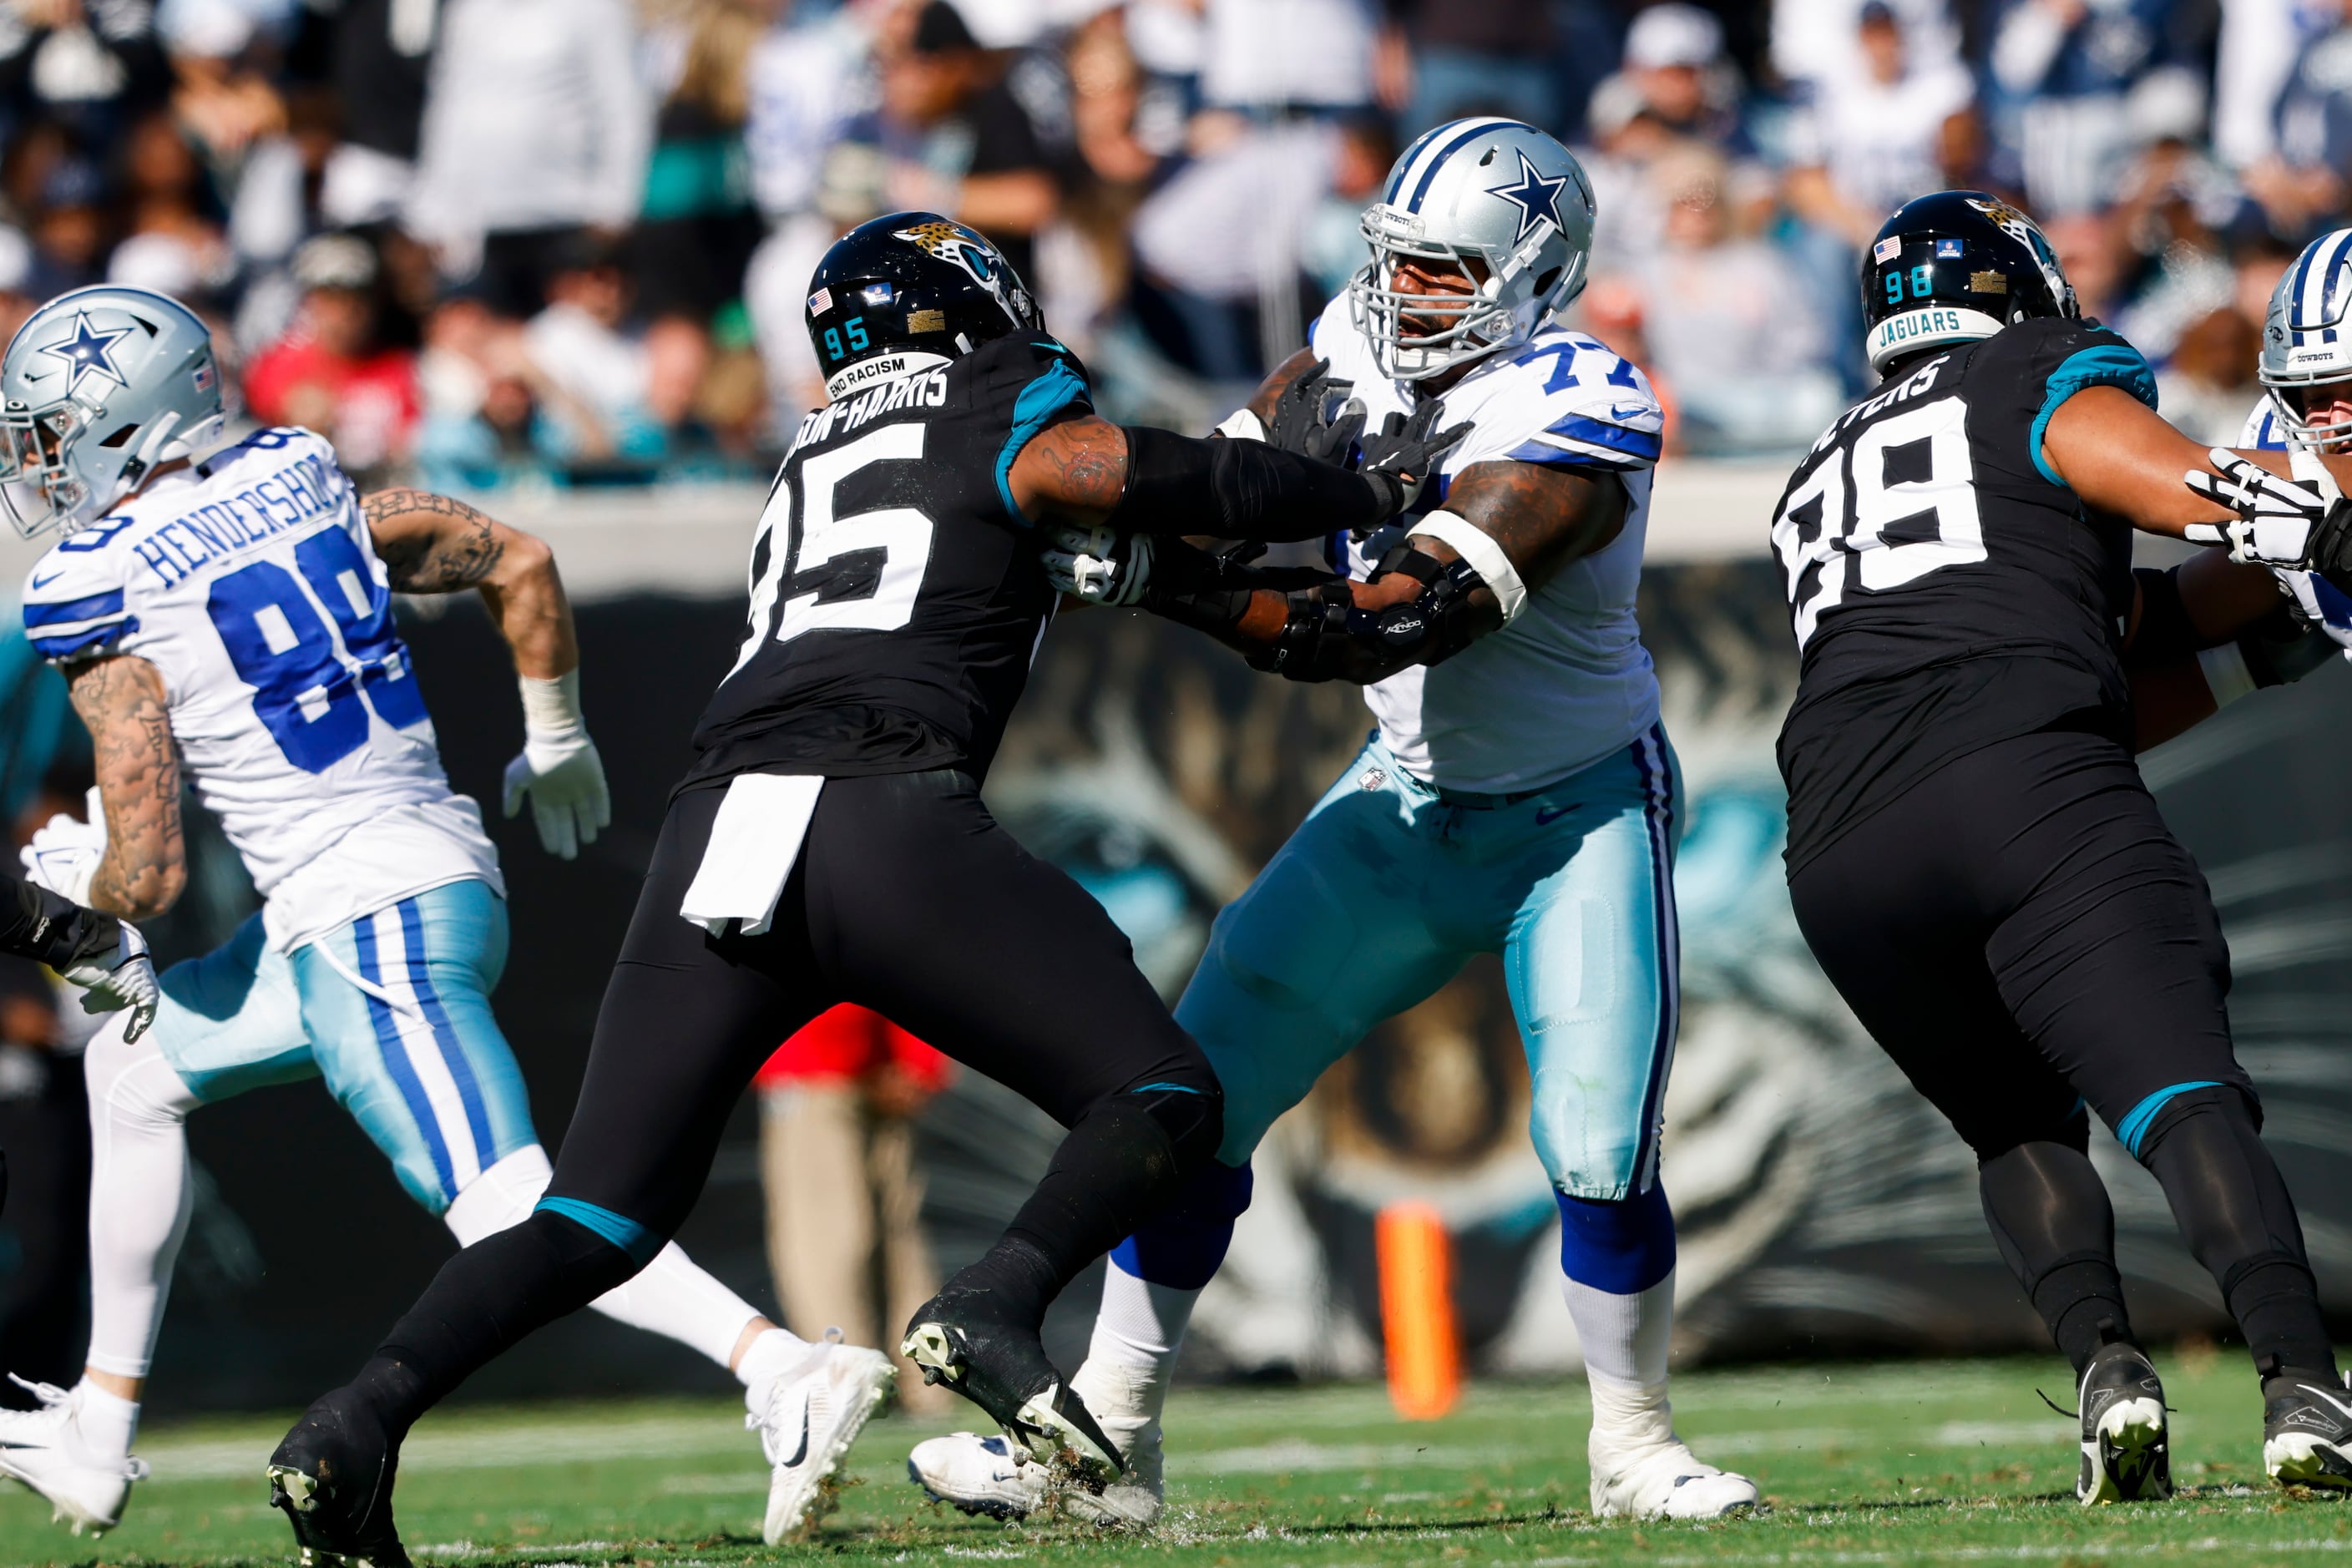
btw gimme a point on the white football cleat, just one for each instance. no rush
(994, 1475)
(807, 1418)
(979, 1475)
(44, 1449)
(1664, 1480)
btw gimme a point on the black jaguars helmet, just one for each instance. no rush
(1954, 267)
(908, 291)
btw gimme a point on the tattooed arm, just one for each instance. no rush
(433, 544)
(120, 698)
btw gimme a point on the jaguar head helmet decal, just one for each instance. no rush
(953, 242)
(2024, 230)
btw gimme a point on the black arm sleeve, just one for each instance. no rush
(38, 924)
(2164, 632)
(1241, 489)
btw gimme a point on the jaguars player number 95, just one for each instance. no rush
(1519, 796)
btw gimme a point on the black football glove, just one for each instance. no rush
(1406, 452)
(1305, 422)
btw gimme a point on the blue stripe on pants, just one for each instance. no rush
(452, 1054)
(396, 1065)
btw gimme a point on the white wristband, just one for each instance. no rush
(1242, 425)
(1477, 547)
(551, 707)
(2226, 675)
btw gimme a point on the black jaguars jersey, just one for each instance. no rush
(1946, 590)
(896, 596)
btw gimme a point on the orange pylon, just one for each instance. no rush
(1424, 1353)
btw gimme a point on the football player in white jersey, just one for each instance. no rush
(1519, 796)
(225, 616)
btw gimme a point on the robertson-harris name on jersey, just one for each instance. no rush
(925, 391)
(292, 496)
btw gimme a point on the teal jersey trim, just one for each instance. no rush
(1040, 403)
(2107, 365)
(2134, 1125)
(627, 1234)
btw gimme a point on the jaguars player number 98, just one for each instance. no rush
(223, 613)
(1518, 797)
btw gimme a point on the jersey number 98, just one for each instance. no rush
(1885, 532)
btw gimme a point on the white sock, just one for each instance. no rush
(140, 1198)
(775, 1354)
(108, 1421)
(1625, 1341)
(1138, 1331)
(670, 1296)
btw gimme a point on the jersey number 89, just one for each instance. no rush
(1910, 509)
(304, 693)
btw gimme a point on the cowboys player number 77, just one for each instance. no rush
(222, 616)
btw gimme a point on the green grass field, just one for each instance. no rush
(1913, 1462)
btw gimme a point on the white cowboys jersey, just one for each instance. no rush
(2319, 599)
(1569, 682)
(250, 582)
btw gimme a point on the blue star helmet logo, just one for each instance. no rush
(88, 352)
(1535, 196)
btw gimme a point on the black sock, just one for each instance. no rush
(2234, 1211)
(485, 1300)
(2056, 1230)
(1115, 1169)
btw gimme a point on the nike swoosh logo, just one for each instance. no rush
(801, 1452)
(1548, 815)
(41, 582)
(1629, 411)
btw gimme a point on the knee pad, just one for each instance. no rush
(2161, 1114)
(1621, 1247)
(1185, 1244)
(635, 1242)
(1192, 1115)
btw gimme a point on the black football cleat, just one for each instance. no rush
(332, 1476)
(999, 1364)
(2307, 1429)
(2126, 1442)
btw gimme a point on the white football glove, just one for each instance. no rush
(64, 854)
(121, 976)
(2277, 518)
(1099, 566)
(559, 768)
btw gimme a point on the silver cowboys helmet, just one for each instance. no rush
(2307, 337)
(1499, 198)
(98, 389)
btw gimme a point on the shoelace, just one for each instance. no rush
(49, 1393)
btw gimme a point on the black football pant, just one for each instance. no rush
(909, 899)
(2023, 935)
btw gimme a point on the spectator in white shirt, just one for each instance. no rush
(535, 126)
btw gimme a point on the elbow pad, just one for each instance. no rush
(1241, 489)
(1327, 638)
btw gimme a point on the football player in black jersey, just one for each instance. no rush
(829, 845)
(1972, 855)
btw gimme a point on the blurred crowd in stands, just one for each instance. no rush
(566, 242)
